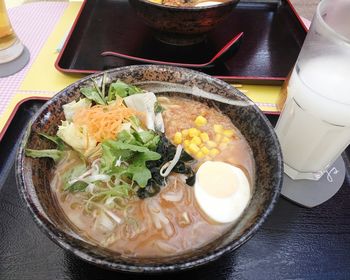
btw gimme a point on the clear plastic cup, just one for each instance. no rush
(314, 126)
(10, 46)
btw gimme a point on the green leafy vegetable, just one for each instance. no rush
(158, 108)
(140, 174)
(126, 137)
(128, 149)
(77, 187)
(93, 94)
(121, 190)
(111, 153)
(73, 174)
(56, 155)
(140, 158)
(99, 91)
(118, 193)
(116, 89)
(135, 122)
(121, 89)
(144, 136)
(55, 139)
(153, 143)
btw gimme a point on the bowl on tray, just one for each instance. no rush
(34, 175)
(182, 25)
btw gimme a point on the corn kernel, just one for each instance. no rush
(228, 132)
(205, 150)
(214, 152)
(225, 140)
(193, 148)
(204, 136)
(184, 132)
(178, 138)
(218, 128)
(211, 144)
(187, 143)
(200, 121)
(192, 132)
(199, 154)
(196, 140)
(218, 138)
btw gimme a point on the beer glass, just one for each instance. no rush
(314, 126)
(10, 45)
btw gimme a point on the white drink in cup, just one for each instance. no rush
(314, 126)
(315, 129)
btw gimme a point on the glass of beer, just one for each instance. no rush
(314, 126)
(10, 46)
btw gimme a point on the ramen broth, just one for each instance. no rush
(169, 223)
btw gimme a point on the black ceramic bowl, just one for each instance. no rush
(33, 175)
(182, 25)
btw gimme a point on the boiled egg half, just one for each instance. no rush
(222, 191)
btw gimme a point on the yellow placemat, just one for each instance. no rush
(266, 97)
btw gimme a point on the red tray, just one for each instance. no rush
(273, 36)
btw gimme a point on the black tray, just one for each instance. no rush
(273, 36)
(294, 243)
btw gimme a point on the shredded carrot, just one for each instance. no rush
(103, 121)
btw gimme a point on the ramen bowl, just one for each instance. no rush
(34, 175)
(182, 25)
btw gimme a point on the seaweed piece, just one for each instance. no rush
(167, 151)
(191, 179)
(185, 156)
(156, 177)
(181, 168)
(150, 190)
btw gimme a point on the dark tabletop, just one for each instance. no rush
(294, 243)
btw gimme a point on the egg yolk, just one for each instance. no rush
(217, 179)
